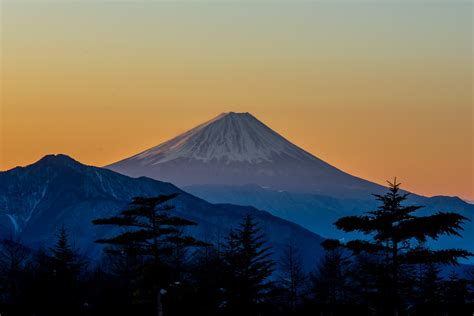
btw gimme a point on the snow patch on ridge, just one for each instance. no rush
(16, 227)
(109, 188)
(36, 203)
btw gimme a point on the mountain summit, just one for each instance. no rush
(229, 137)
(238, 149)
(235, 158)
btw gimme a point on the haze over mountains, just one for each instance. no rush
(35, 201)
(235, 158)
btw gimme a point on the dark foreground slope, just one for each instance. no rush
(57, 190)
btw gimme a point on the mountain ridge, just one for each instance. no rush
(57, 190)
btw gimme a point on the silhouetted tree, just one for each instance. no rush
(366, 276)
(247, 268)
(330, 282)
(152, 234)
(65, 265)
(208, 275)
(65, 262)
(13, 257)
(291, 274)
(180, 244)
(51, 279)
(392, 228)
(426, 296)
(470, 284)
(427, 281)
(454, 290)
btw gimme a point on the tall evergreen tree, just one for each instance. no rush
(455, 290)
(365, 276)
(151, 235)
(208, 274)
(247, 267)
(427, 292)
(427, 288)
(65, 261)
(330, 282)
(13, 257)
(64, 266)
(292, 276)
(392, 229)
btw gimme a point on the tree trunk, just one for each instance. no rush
(159, 306)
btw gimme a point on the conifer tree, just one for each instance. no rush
(208, 274)
(427, 296)
(392, 229)
(428, 282)
(248, 267)
(330, 282)
(454, 290)
(66, 263)
(151, 233)
(292, 276)
(64, 266)
(13, 257)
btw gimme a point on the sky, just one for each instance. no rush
(376, 88)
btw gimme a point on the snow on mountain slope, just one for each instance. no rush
(230, 137)
(235, 158)
(238, 149)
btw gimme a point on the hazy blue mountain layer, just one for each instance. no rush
(318, 212)
(57, 190)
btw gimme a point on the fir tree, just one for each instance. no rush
(208, 275)
(428, 281)
(392, 228)
(152, 235)
(13, 257)
(454, 290)
(64, 266)
(292, 277)
(247, 267)
(330, 282)
(65, 261)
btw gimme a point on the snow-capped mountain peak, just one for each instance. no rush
(229, 137)
(238, 149)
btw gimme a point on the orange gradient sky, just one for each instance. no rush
(376, 88)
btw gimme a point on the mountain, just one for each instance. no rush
(57, 190)
(318, 212)
(235, 158)
(238, 149)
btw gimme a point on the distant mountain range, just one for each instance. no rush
(57, 190)
(235, 158)
(318, 212)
